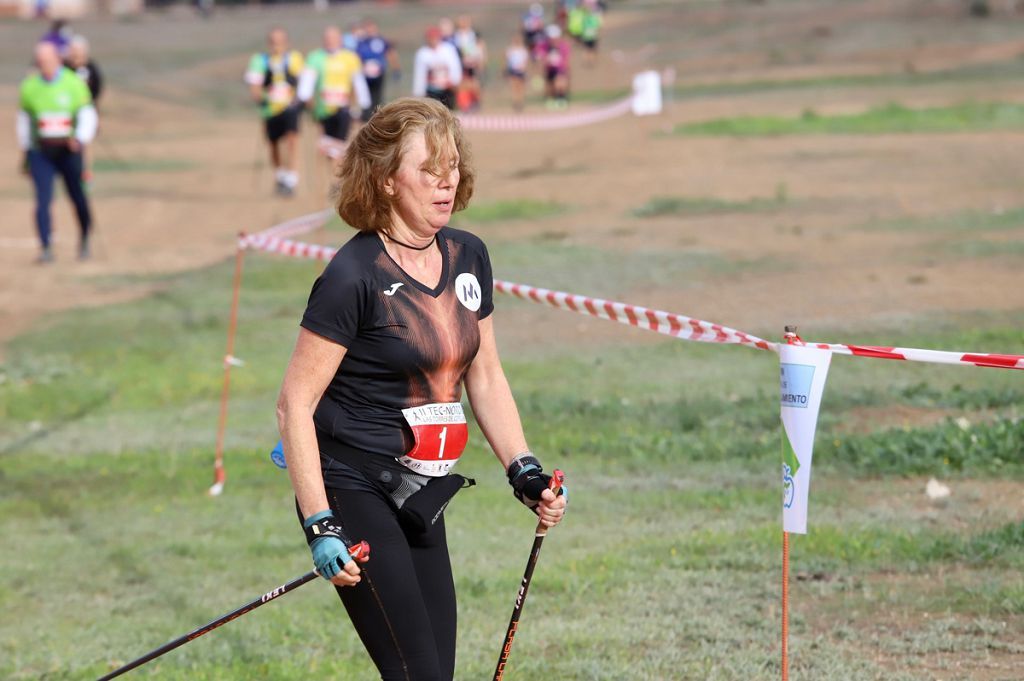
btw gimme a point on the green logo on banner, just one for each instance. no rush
(790, 465)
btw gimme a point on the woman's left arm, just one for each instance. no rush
(496, 412)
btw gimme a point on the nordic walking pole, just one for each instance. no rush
(557, 478)
(360, 552)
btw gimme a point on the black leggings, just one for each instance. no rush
(404, 608)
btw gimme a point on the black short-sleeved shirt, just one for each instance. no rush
(407, 345)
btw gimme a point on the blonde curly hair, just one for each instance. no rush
(375, 155)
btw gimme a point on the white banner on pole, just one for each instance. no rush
(647, 93)
(803, 372)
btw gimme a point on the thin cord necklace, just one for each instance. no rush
(412, 248)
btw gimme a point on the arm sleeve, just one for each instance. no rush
(486, 283)
(254, 73)
(419, 75)
(23, 127)
(361, 90)
(86, 123)
(307, 84)
(336, 305)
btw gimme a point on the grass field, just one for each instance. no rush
(888, 119)
(668, 563)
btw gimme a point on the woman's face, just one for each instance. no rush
(425, 194)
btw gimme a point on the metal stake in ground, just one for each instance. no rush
(793, 339)
(557, 478)
(359, 552)
(219, 474)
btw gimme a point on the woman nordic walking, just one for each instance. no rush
(370, 412)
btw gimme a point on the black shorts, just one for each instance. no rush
(512, 73)
(446, 97)
(283, 123)
(590, 44)
(551, 73)
(337, 124)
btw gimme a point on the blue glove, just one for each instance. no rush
(328, 543)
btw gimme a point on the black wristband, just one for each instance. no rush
(522, 463)
(325, 527)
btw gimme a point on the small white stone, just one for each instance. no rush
(936, 490)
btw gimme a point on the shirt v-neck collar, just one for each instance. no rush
(442, 282)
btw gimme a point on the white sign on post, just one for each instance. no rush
(803, 371)
(647, 93)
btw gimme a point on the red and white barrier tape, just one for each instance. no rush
(295, 249)
(930, 356)
(667, 323)
(300, 225)
(559, 121)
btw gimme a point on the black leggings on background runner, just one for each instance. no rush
(376, 88)
(404, 608)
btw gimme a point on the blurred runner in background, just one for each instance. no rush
(533, 27)
(78, 60)
(473, 56)
(332, 77)
(273, 78)
(379, 56)
(591, 19)
(556, 67)
(59, 35)
(437, 70)
(447, 28)
(517, 59)
(55, 121)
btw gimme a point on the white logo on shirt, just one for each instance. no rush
(467, 290)
(393, 289)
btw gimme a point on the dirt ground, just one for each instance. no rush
(198, 179)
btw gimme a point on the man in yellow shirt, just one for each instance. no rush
(273, 78)
(332, 78)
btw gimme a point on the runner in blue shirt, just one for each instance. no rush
(378, 55)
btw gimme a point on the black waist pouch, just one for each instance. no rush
(418, 500)
(421, 510)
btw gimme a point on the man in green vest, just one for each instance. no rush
(56, 120)
(273, 79)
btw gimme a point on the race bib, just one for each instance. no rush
(372, 68)
(280, 93)
(53, 125)
(334, 97)
(438, 78)
(440, 433)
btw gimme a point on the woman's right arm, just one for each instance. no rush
(314, 362)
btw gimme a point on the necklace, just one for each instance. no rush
(405, 245)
